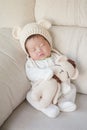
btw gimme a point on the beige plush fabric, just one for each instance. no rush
(16, 12)
(62, 12)
(13, 82)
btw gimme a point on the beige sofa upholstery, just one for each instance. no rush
(69, 32)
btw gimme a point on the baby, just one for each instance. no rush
(41, 65)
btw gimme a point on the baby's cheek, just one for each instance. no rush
(49, 53)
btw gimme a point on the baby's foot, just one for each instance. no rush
(67, 106)
(51, 111)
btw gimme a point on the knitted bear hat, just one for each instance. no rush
(41, 28)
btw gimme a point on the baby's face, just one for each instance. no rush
(38, 48)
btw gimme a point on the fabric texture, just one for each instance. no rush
(62, 12)
(17, 13)
(13, 82)
(25, 117)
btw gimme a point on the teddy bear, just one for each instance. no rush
(65, 71)
(65, 68)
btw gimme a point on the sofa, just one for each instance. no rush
(69, 32)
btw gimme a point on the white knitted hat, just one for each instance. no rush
(33, 28)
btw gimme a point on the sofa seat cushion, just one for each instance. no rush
(25, 117)
(72, 41)
(13, 81)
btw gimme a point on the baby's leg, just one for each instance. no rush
(51, 111)
(67, 101)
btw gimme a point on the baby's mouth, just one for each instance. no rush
(41, 54)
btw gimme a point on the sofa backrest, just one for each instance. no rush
(62, 12)
(16, 12)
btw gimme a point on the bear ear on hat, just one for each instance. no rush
(16, 32)
(45, 23)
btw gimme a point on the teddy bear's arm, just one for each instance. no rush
(56, 78)
(72, 62)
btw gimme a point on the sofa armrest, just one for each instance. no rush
(13, 82)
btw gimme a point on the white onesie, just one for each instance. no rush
(39, 70)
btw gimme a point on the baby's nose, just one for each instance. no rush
(38, 49)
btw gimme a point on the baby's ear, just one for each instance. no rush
(16, 32)
(45, 23)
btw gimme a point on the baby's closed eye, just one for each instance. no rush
(41, 45)
(32, 49)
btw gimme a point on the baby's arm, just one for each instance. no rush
(35, 74)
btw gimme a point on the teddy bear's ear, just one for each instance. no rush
(76, 74)
(45, 23)
(16, 32)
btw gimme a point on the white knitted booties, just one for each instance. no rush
(67, 106)
(51, 111)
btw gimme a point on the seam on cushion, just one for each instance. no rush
(5, 117)
(78, 47)
(10, 94)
